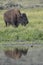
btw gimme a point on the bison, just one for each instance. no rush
(16, 53)
(15, 17)
(13, 53)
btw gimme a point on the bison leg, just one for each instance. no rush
(6, 23)
(16, 24)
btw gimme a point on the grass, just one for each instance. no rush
(31, 32)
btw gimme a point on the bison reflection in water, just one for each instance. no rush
(17, 53)
(15, 17)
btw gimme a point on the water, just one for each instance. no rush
(33, 57)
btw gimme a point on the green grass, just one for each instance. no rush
(31, 32)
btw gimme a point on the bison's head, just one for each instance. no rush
(23, 19)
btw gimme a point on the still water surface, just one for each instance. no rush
(34, 57)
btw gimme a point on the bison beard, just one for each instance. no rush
(15, 17)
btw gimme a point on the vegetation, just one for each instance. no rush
(31, 32)
(5, 4)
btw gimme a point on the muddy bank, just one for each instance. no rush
(34, 57)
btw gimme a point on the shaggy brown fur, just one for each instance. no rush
(11, 16)
(17, 53)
